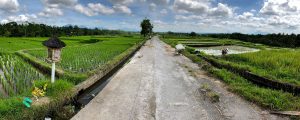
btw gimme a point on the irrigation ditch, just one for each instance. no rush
(256, 79)
(85, 91)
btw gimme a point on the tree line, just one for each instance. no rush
(13, 29)
(280, 39)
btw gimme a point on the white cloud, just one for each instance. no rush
(122, 9)
(252, 10)
(20, 18)
(221, 10)
(164, 11)
(202, 7)
(93, 9)
(182, 15)
(245, 16)
(124, 2)
(280, 7)
(4, 21)
(274, 16)
(188, 17)
(281, 13)
(152, 6)
(9, 5)
(191, 6)
(84, 10)
(55, 3)
(99, 8)
(51, 11)
(55, 7)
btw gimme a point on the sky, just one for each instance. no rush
(201, 16)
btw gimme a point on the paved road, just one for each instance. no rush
(155, 84)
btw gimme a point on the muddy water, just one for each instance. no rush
(232, 49)
(1, 72)
(2, 91)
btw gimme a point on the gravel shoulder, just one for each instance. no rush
(155, 84)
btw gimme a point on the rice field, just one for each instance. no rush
(280, 64)
(232, 49)
(13, 44)
(272, 62)
(16, 76)
(85, 58)
(81, 55)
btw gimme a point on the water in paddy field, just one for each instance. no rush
(232, 49)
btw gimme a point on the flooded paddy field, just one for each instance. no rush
(232, 49)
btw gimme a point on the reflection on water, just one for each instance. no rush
(232, 49)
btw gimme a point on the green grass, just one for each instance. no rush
(13, 108)
(272, 99)
(281, 64)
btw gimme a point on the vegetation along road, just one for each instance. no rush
(156, 84)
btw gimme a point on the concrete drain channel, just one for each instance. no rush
(85, 96)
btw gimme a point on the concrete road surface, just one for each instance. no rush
(156, 84)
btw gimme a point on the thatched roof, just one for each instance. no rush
(54, 42)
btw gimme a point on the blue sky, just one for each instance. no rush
(202, 16)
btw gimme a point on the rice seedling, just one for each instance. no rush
(16, 76)
(85, 58)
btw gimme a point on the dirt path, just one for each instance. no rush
(155, 84)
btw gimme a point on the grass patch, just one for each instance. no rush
(13, 108)
(272, 99)
(208, 92)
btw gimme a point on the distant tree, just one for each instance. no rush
(193, 34)
(27, 29)
(6, 34)
(76, 30)
(146, 27)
